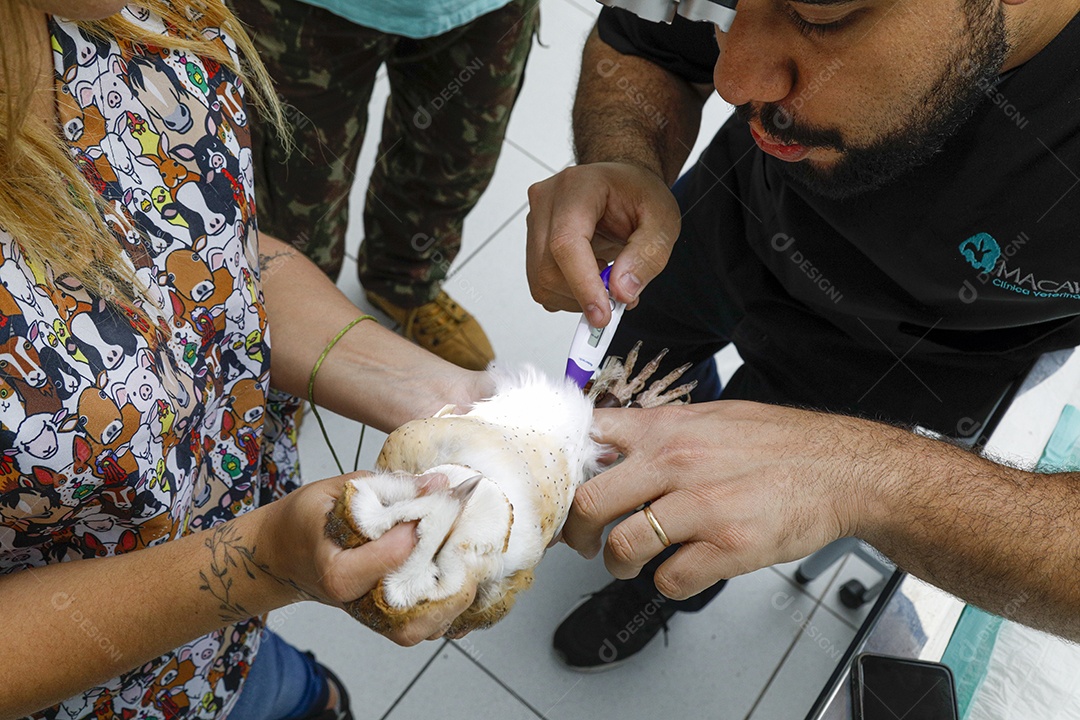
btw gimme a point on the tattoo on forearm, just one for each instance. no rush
(268, 259)
(228, 557)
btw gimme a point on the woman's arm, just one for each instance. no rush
(145, 603)
(148, 602)
(372, 374)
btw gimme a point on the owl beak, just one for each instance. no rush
(462, 493)
(465, 490)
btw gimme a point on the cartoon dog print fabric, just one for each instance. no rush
(122, 429)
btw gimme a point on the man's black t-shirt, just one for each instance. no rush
(967, 268)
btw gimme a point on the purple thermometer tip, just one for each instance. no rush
(578, 375)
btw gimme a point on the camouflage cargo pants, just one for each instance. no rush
(449, 105)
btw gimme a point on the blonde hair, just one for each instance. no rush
(46, 204)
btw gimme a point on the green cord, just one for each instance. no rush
(359, 444)
(311, 389)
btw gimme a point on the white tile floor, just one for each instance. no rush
(761, 650)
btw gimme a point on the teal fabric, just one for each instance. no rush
(969, 651)
(972, 644)
(1062, 451)
(411, 18)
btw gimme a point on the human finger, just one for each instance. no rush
(353, 572)
(620, 428)
(635, 541)
(645, 255)
(570, 237)
(560, 298)
(547, 283)
(606, 496)
(435, 622)
(604, 250)
(696, 566)
(601, 500)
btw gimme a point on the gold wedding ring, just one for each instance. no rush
(656, 526)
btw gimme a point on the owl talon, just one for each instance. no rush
(616, 386)
(655, 395)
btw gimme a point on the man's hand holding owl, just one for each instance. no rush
(743, 485)
(736, 484)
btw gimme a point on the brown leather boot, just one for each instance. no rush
(443, 327)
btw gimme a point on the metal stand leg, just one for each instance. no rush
(820, 561)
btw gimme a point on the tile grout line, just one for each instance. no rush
(485, 243)
(409, 687)
(832, 585)
(465, 261)
(840, 617)
(775, 672)
(791, 647)
(802, 588)
(501, 684)
(526, 153)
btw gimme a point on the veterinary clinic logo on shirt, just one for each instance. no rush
(982, 251)
(986, 255)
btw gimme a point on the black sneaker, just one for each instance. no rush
(611, 626)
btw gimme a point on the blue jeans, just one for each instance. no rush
(283, 684)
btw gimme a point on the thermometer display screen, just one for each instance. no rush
(595, 335)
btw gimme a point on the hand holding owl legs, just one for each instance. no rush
(316, 567)
(463, 524)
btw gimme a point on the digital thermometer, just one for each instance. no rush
(591, 344)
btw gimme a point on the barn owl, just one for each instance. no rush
(511, 466)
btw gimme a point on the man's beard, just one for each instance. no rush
(941, 112)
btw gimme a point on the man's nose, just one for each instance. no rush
(754, 66)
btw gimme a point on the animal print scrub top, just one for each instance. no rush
(122, 430)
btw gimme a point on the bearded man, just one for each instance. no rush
(884, 230)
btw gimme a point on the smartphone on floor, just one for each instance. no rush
(887, 688)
